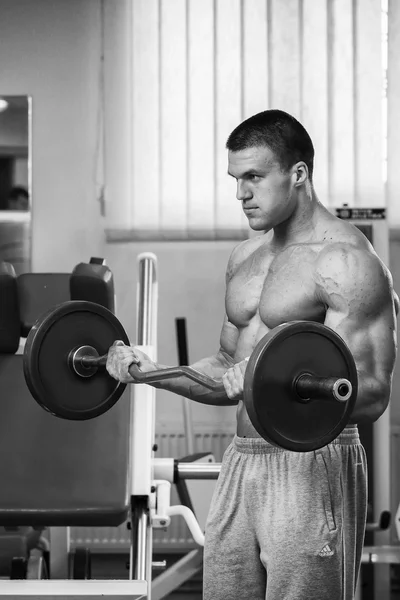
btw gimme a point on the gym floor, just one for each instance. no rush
(113, 566)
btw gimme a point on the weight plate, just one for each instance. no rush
(270, 397)
(19, 567)
(82, 567)
(51, 380)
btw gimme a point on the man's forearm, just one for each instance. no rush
(213, 366)
(372, 398)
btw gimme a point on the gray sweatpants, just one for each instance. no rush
(285, 525)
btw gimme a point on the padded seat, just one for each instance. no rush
(55, 472)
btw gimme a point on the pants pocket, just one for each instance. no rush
(326, 493)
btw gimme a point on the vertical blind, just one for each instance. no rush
(197, 68)
(393, 115)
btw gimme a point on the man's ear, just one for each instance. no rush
(300, 173)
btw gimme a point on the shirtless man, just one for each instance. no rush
(286, 525)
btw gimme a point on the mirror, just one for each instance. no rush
(15, 181)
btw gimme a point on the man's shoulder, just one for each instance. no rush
(351, 265)
(350, 252)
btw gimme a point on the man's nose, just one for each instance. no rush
(242, 191)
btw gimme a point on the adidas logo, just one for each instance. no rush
(326, 551)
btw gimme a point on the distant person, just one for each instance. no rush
(18, 198)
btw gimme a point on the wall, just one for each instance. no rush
(50, 50)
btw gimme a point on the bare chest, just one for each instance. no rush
(273, 290)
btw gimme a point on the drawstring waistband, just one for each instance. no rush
(348, 437)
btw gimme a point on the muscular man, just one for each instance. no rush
(286, 525)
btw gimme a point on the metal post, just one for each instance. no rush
(195, 470)
(381, 448)
(59, 538)
(138, 550)
(147, 301)
(143, 426)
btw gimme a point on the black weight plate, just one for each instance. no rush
(269, 394)
(82, 567)
(51, 380)
(19, 568)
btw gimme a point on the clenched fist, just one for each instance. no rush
(233, 379)
(121, 357)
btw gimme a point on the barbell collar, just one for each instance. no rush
(309, 387)
(85, 360)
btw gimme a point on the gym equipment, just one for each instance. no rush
(36, 568)
(93, 282)
(82, 567)
(19, 567)
(183, 359)
(300, 385)
(38, 292)
(53, 372)
(33, 567)
(9, 310)
(135, 475)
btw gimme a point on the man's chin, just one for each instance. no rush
(257, 226)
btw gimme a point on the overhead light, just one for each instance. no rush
(3, 104)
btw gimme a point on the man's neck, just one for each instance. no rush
(301, 225)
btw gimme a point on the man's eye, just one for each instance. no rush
(253, 177)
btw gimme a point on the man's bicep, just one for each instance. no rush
(371, 340)
(358, 293)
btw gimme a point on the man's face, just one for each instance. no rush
(264, 190)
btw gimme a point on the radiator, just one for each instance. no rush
(177, 537)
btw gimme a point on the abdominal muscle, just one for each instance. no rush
(249, 337)
(244, 427)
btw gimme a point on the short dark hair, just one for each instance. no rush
(279, 131)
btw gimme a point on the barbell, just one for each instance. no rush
(300, 384)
